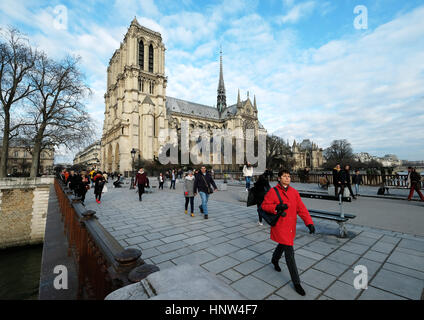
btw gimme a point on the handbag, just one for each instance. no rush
(207, 185)
(271, 218)
(104, 189)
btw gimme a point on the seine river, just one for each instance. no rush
(20, 272)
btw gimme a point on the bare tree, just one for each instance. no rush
(278, 153)
(17, 61)
(58, 114)
(340, 151)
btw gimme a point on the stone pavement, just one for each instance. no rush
(231, 245)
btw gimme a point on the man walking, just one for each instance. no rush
(357, 180)
(142, 181)
(284, 231)
(345, 177)
(202, 184)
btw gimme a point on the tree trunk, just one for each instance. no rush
(36, 152)
(5, 149)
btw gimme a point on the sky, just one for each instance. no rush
(320, 70)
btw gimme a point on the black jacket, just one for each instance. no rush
(200, 185)
(357, 179)
(345, 176)
(260, 188)
(337, 176)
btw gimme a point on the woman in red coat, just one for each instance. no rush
(284, 231)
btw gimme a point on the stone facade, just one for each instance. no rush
(137, 107)
(89, 157)
(20, 159)
(23, 209)
(307, 155)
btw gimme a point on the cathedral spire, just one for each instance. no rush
(221, 98)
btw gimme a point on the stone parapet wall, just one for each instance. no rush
(23, 210)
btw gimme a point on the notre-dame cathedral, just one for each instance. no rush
(137, 107)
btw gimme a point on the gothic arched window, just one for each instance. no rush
(151, 58)
(141, 54)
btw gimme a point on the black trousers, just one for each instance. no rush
(291, 263)
(140, 190)
(161, 185)
(172, 184)
(191, 199)
(260, 217)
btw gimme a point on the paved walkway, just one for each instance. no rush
(231, 245)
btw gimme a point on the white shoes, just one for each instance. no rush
(260, 223)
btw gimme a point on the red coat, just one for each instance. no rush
(284, 231)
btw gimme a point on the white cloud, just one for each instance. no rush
(298, 12)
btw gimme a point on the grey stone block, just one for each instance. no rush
(383, 247)
(272, 277)
(375, 256)
(372, 267)
(331, 267)
(344, 257)
(248, 266)
(196, 239)
(320, 247)
(406, 271)
(342, 291)
(222, 249)
(178, 283)
(407, 260)
(171, 246)
(195, 258)
(309, 254)
(377, 294)
(317, 279)
(174, 238)
(288, 292)
(232, 275)
(398, 284)
(220, 264)
(355, 248)
(253, 288)
(244, 254)
(412, 244)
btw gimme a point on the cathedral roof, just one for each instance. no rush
(191, 108)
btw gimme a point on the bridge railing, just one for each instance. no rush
(103, 264)
(367, 179)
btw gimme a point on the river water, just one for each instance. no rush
(20, 272)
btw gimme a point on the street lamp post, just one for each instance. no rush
(133, 152)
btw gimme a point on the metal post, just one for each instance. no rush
(132, 175)
(341, 205)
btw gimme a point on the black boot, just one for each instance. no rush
(299, 289)
(201, 209)
(276, 266)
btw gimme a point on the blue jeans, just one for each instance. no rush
(205, 198)
(248, 182)
(356, 188)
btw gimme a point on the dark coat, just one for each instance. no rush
(345, 176)
(99, 182)
(337, 177)
(261, 187)
(200, 185)
(416, 180)
(357, 179)
(284, 231)
(141, 178)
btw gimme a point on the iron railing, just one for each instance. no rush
(103, 265)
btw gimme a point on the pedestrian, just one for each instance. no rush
(284, 230)
(202, 185)
(161, 180)
(173, 178)
(142, 181)
(118, 182)
(92, 173)
(357, 181)
(260, 189)
(189, 192)
(248, 173)
(83, 186)
(105, 176)
(99, 182)
(345, 178)
(337, 181)
(415, 178)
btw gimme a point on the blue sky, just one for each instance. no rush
(313, 73)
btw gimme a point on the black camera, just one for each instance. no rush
(280, 208)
